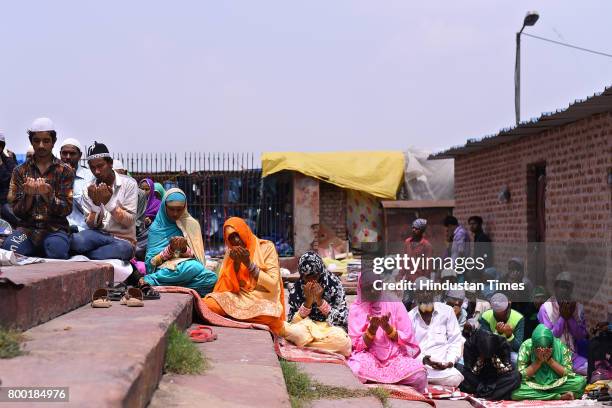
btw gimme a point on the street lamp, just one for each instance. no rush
(530, 19)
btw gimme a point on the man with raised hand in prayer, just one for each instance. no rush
(40, 194)
(109, 204)
(505, 321)
(71, 153)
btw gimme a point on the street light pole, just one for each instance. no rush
(517, 78)
(530, 19)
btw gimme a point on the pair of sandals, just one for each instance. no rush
(133, 297)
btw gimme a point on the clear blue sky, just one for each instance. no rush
(258, 76)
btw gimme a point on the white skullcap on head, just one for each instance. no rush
(564, 277)
(456, 294)
(72, 142)
(118, 165)
(30, 150)
(42, 125)
(499, 302)
(421, 283)
(2, 138)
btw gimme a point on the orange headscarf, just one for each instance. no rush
(229, 281)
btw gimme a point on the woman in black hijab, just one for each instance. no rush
(318, 314)
(487, 370)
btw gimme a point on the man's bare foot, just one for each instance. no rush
(567, 396)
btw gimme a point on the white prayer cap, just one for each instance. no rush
(499, 302)
(456, 294)
(72, 142)
(42, 125)
(30, 150)
(2, 138)
(564, 277)
(118, 165)
(422, 283)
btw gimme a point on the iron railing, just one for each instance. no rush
(222, 185)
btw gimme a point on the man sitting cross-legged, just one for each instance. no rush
(438, 335)
(109, 203)
(40, 194)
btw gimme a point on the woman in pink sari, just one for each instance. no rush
(384, 349)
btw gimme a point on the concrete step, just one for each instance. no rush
(334, 375)
(107, 357)
(337, 375)
(398, 403)
(244, 372)
(34, 294)
(363, 402)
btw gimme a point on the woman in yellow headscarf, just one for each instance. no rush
(249, 287)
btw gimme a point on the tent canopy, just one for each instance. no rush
(379, 173)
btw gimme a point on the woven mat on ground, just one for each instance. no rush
(479, 403)
(403, 392)
(283, 348)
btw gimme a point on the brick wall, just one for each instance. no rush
(332, 208)
(578, 158)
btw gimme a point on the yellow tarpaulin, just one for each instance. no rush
(376, 173)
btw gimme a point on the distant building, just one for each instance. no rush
(548, 180)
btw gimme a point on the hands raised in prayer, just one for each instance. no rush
(313, 292)
(178, 244)
(384, 322)
(240, 255)
(543, 355)
(104, 193)
(374, 324)
(504, 329)
(567, 309)
(39, 186)
(100, 194)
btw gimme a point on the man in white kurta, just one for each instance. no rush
(440, 341)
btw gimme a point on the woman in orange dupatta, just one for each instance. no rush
(249, 287)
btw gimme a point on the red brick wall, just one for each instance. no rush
(332, 208)
(578, 158)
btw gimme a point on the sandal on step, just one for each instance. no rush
(132, 298)
(149, 293)
(100, 299)
(116, 292)
(203, 334)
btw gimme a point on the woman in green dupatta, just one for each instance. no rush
(545, 364)
(160, 191)
(175, 250)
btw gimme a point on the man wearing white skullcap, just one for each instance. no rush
(71, 153)
(565, 317)
(455, 299)
(504, 321)
(119, 168)
(40, 194)
(8, 162)
(437, 333)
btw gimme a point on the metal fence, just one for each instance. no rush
(222, 185)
